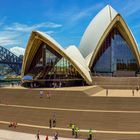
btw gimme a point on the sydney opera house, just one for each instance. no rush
(107, 48)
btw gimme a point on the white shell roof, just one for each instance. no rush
(50, 39)
(29, 47)
(73, 52)
(95, 30)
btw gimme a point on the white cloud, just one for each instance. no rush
(130, 8)
(6, 42)
(86, 12)
(9, 38)
(17, 34)
(28, 28)
(17, 50)
(49, 32)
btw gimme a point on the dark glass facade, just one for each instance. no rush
(114, 55)
(51, 69)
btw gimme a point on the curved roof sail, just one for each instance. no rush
(34, 42)
(73, 53)
(98, 30)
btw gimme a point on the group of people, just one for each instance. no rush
(74, 128)
(13, 124)
(41, 94)
(47, 137)
(52, 122)
(56, 84)
(38, 135)
(15, 84)
(75, 131)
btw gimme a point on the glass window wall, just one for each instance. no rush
(114, 55)
(50, 66)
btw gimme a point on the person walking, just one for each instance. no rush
(38, 135)
(48, 95)
(56, 135)
(90, 134)
(54, 119)
(73, 129)
(106, 92)
(76, 132)
(54, 122)
(133, 92)
(47, 138)
(50, 123)
(41, 93)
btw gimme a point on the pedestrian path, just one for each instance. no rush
(82, 88)
(12, 135)
(71, 110)
(117, 93)
(81, 130)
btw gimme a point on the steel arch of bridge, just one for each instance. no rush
(7, 57)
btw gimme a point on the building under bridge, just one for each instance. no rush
(9, 62)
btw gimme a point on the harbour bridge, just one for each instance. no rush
(7, 57)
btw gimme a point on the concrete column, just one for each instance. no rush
(44, 55)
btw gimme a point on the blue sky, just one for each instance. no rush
(64, 20)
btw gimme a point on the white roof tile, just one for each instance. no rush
(95, 31)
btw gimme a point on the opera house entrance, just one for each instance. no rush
(51, 69)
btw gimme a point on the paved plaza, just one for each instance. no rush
(11, 135)
(118, 93)
(101, 93)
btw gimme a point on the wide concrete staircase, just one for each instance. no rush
(71, 99)
(117, 82)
